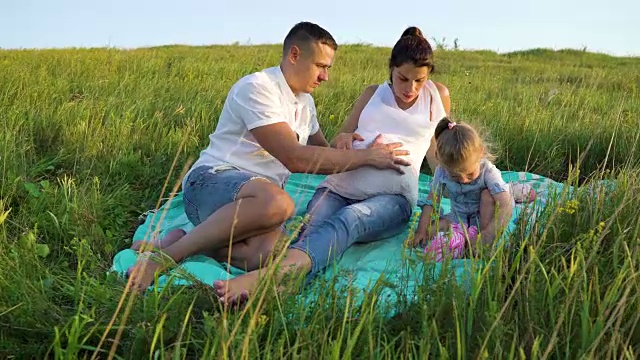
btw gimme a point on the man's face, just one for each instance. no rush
(312, 67)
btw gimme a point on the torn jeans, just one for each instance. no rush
(337, 222)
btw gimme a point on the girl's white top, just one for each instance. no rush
(413, 127)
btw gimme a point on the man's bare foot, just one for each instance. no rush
(155, 243)
(142, 274)
(238, 289)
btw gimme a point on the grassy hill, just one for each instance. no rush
(89, 136)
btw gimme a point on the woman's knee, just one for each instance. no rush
(396, 206)
(323, 205)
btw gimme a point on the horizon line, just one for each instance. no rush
(436, 47)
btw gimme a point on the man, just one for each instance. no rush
(234, 193)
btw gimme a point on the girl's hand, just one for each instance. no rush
(424, 232)
(343, 141)
(421, 238)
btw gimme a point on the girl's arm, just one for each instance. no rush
(503, 208)
(503, 213)
(426, 229)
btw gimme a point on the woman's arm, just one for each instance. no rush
(446, 102)
(351, 124)
(318, 139)
(444, 95)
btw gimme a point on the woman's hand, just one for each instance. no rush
(344, 141)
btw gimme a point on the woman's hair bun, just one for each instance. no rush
(412, 31)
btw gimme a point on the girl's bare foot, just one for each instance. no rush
(155, 243)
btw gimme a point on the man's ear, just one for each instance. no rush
(294, 54)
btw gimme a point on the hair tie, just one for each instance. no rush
(451, 125)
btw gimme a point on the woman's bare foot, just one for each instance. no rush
(155, 243)
(241, 287)
(238, 289)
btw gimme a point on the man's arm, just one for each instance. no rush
(280, 141)
(257, 106)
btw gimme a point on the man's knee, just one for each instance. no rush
(275, 204)
(278, 206)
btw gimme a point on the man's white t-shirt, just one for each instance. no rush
(258, 99)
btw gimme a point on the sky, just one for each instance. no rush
(610, 27)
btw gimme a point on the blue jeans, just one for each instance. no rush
(336, 223)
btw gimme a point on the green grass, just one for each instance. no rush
(88, 139)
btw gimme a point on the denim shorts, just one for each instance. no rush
(208, 188)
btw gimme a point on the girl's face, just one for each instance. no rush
(466, 172)
(407, 81)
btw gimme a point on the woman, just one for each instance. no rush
(369, 204)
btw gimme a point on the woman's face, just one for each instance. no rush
(407, 81)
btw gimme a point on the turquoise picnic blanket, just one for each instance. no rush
(360, 268)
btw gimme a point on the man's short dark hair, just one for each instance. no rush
(305, 33)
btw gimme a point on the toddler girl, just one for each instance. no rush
(481, 203)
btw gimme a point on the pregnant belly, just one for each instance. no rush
(368, 181)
